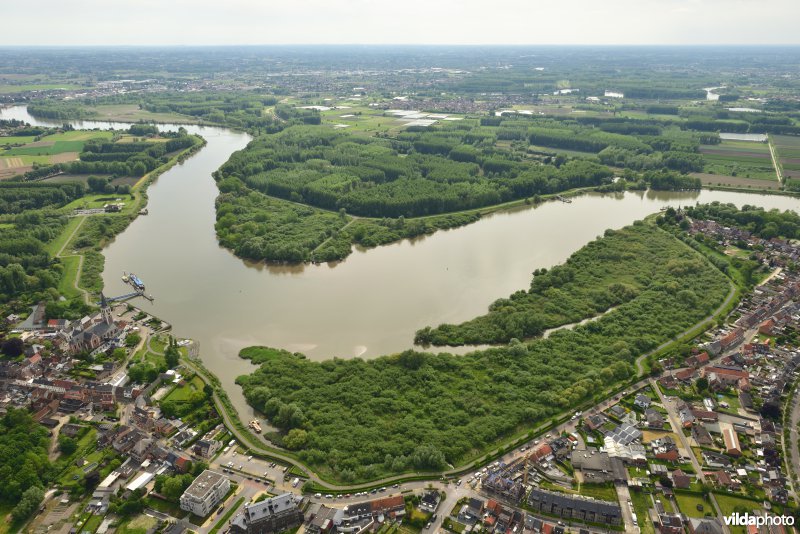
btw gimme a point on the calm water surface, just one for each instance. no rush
(369, 304)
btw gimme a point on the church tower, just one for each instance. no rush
(105, 310)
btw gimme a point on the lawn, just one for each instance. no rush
(56, 148)
(667, 504)
(54, 246)
(166, 507)
(92, 524)
(17, 140)
(98, 201)
(732, 400)
(641, 503)
(181, 393)
(598, 491)
(66, 285)
(138, 525)
(687, 503)
(728, 504)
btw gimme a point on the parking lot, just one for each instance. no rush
(250, 467)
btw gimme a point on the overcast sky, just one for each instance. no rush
(232, 22)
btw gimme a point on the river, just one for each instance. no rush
(367, 305)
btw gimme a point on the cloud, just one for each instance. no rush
(185, 22)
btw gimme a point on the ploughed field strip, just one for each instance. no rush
(739, 159)
(788, 152)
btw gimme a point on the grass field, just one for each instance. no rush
(787, 150)
(92, 524)
(138, 525)
(181, 393)
(641, 503)
(739, 159)
(16, 140)
(687, 503)
(719, 180)
(98, 201)
(729, 503)
(57, 148)
(54, 246)
(598, 491)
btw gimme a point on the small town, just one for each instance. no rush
(701, 438)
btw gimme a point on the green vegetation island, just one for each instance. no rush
(341, 416)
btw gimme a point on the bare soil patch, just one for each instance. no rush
(64, 157)
(9, 173)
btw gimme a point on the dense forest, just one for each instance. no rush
(24, 444)
(260, 227)
(418, 173)
(252, 111)
(26, 269)
(342, 415)
(16, 197)
(603, 274)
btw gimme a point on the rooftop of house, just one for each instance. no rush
(204, 484)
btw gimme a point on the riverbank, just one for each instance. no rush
(388, 292)
(131, 113)
(71, 282)
(341, 414)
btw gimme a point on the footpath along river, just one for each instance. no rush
(367, 305)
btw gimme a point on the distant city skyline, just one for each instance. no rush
(513, 22)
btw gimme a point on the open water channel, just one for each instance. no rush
(367, 305)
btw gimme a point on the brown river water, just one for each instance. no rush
(367, 305)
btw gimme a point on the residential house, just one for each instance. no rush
(731, 439)
(575, 507)
(680, 479)
(701, 435)
(205, 493)
(654, 420)
(704, 525)
(206, 447)
(669, 524)
(698, 360)
(269, 516)
(322, 519)
(642, 401)
(430, 501)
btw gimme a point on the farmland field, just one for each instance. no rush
(742, 159)
(719, 180)
(25, 151)
(788, 152)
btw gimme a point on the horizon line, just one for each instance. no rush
(498, 45)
